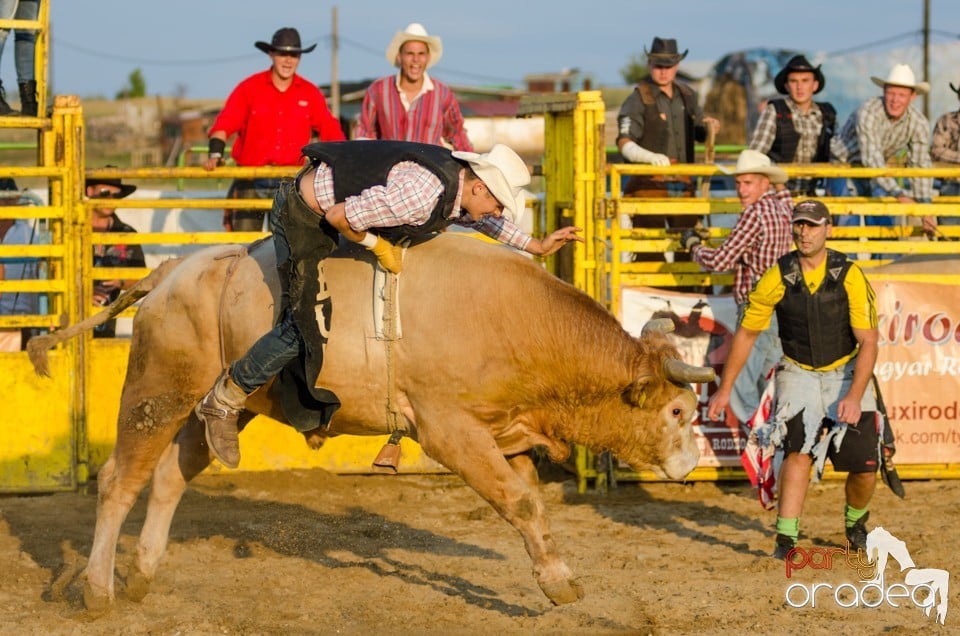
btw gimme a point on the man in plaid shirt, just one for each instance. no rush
(945, 146)
(796, 129)
(879, 130)
(761, 235)
(369, 191)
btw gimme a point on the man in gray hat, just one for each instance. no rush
(827, 320)
(272, 113)
(796, 129)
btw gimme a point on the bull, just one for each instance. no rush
(497, 357)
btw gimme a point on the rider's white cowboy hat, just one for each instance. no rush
(415, 33)
(505, 174)
(902, 75)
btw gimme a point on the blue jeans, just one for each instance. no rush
(950, 189)
(283, 343)
(25, 40)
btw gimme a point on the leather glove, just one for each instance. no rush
(689, 238)
(701, 231)
(389, 255)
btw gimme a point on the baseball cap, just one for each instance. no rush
(811, 210)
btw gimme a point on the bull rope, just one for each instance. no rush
(391, 335)
(231, 268)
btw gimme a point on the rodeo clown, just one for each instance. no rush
(827, 321)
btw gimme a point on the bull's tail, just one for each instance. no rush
(38, 346)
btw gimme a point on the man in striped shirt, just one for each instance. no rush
(365, 190)
(761, 235)
(412, 106)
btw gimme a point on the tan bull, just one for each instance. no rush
(497, 357)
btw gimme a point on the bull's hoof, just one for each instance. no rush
(137, 586)
(97, 602)
(563, 592)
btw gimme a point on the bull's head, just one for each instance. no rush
(666, 407)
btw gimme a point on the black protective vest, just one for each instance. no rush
(815, 328)
(784, 148)
(361, 164)
(654, 127)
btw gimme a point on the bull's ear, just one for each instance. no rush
(637, 392)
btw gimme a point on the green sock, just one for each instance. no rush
(852, 515)
(789, 527)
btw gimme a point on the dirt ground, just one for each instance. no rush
(313, 553)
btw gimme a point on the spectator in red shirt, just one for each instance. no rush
(273, 113)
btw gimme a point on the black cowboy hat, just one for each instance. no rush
(663, 52)
(286, 40)
(126, 189)
(798, 64)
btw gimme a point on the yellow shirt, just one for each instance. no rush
(769, 290)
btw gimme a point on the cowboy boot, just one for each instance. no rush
(4, 106)
(219, 410)
(28, 98)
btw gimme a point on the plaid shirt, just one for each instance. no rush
(408, 198)
(946, 139)
(869, 137)
(763, 234)
(434, 115)
(807, 125)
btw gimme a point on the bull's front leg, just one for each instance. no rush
(466, 447)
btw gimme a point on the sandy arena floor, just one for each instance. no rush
(313, 553)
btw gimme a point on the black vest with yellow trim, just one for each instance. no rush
(655, 129)
(361, 164)
(786, 140)
(815, 328)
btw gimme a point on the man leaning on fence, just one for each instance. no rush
(945, 146)
(273, 114)
(876, 134)
(795, 128)
(760, 236)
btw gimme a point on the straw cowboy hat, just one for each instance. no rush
(663, 52)
(902, 75)
(755, 162)
(415, 33)
(285, 40)
(798, 64)
(504, 173)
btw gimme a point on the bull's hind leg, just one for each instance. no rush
(465, 446)
(141, 439)
(181, 461)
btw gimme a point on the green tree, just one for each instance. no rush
(635, 70)
(136, 86)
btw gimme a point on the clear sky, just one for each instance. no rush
(204, 47)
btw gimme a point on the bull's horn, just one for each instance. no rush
(657, 325)
(680, 371)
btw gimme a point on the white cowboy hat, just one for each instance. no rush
(755, 162)
(902, 75)
(415, 33)
(505, 174)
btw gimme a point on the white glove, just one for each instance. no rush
(635, 154)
